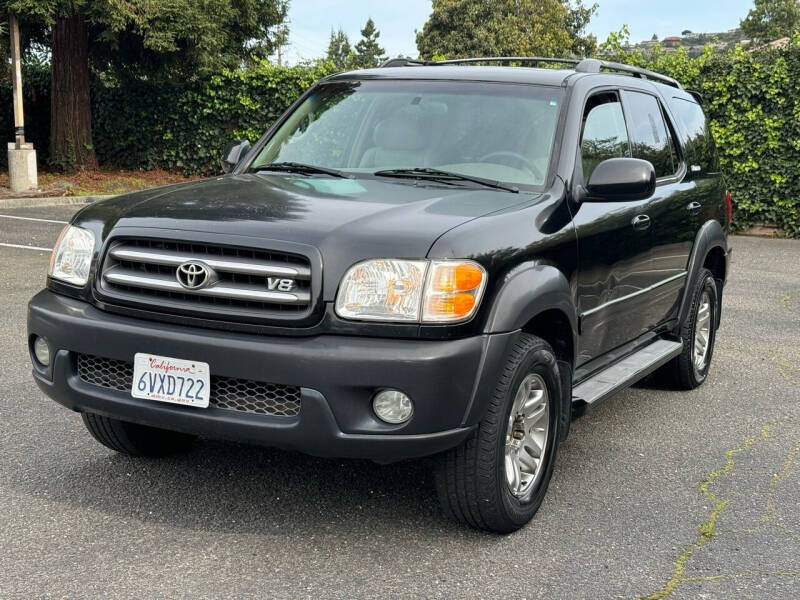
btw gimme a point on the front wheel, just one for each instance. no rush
(496, 480)
(134, 439)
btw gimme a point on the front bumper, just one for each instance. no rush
(449, 381)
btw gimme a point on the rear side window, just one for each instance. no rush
(604, 133)
(650, 138)
(700, 149)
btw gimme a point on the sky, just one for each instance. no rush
(311, 21)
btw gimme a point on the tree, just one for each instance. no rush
(339, 50)
(771, 20)
(578, 18)
(368, 53)
(173, 40)
(463, 28)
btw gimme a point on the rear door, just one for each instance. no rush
(703, 175)
(673, 209)
(613, 240)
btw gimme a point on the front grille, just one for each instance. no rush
(229, 393)
(242, 283)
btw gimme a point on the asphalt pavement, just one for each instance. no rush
(656, 493)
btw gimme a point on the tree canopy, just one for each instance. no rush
(366, 55)
(339, 50)
(188, 36)
(463, 28)
(368, 52)
(173, 39)
(771, 20)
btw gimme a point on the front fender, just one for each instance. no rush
(527, 291)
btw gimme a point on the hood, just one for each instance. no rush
(347, 220)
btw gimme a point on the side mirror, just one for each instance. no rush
(233, 153)
(621, 179)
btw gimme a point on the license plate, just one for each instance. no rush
(171, 380)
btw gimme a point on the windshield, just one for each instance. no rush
(501, 132)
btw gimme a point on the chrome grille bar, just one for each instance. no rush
(151, 281)
(242, 284)
(229, 265)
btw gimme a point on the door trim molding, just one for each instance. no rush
(634, 294)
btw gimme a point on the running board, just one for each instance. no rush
(626, 372)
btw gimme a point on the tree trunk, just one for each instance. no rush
(71, 116)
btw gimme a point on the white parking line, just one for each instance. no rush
(37, 248)
(32, 219)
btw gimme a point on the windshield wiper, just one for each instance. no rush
(437, 174)
(296, 167)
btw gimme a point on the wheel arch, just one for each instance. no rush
(710, 251)
(715, 262)
(536, 299)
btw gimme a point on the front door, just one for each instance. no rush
(614, 241)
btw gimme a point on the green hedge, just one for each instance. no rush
(753, 103)
(144, 125)
(36, 99)
(753, 100)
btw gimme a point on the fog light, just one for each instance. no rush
(392, 406)
(41, 350)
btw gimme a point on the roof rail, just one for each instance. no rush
(402, 62)
(586, 65)
(593, 65)
(507, 59)
(411, 62)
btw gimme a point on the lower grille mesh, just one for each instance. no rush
(244, 395)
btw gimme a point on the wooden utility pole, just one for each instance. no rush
(22, 173)
(16, 79)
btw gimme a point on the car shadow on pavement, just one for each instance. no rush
(229, 487)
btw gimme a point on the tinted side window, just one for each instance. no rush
(650, 139)
(604, 132)
(699, 145)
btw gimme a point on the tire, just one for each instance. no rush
(687, 371)
(471, 479)
(134, 439)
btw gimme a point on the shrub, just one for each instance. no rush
(145, 125)
(36, 100)
(753, 105)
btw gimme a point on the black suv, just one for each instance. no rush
(433, 259)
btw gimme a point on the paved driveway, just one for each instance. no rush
(686, 495)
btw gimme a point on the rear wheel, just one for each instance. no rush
(690, 369)
(134, 439)
(496, 480)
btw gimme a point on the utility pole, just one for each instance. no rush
(21, 155)
(281, 40)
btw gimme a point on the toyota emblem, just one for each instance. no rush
(194, 275)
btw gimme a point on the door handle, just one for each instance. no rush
(694, 207)
(641, 222)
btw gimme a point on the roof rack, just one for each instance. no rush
(411, 62)
(593, 65)
(404, 62)
(586, 65)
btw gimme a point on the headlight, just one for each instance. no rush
(440, 291)
(72, 256)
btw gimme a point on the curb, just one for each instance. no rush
(52, 201)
